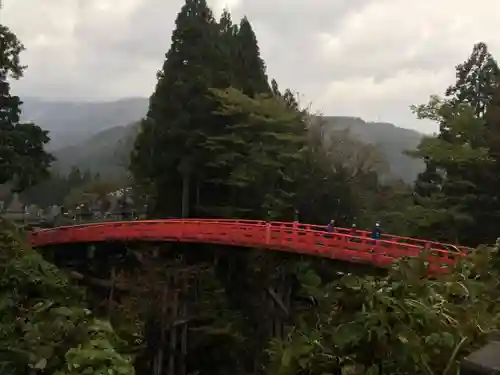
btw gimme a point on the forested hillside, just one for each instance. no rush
(392, 140)
(104, 152)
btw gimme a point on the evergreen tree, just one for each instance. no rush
(23, 160)
(250, 69)
(447, 195)
(260, 154)
(169, 151)
(48, 192)
(274, 88)
(429, 181)
(288, 97)
(477, 79)
(75, 177)
(464, 186)
(228, 45)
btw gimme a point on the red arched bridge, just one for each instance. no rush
(343, 244)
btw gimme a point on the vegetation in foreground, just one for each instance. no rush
(45, 325)
(402, 323)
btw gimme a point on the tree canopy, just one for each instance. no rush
(23, 160)
(456, 197)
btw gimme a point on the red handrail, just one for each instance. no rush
(289, 237)
(359, 233)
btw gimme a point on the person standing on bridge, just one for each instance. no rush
(354, 232)
(330, 228)
(354, 229)
(377, 231)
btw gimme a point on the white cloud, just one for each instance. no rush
(367, 58)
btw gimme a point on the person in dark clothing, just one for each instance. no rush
(354, 230)
(331, 226)
(377, 232)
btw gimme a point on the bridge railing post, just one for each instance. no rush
(268, 232)
(295, 228)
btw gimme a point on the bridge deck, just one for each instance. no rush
(289, 237)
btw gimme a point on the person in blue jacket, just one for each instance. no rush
(377, 231)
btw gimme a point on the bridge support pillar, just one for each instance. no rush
(277, 296)
(170, 357)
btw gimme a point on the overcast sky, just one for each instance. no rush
(366, 58)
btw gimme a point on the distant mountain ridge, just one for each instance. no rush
(392, 140)
(105, 152)
(71, 122)
(95, 135)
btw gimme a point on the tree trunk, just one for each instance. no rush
(185, 171)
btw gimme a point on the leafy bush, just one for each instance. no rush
(44, 325)
(404, 323)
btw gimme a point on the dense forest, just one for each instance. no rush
(222, 139)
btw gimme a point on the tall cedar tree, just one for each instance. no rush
(448, 213)
(477, 82)
(464, 184)
(23, 160)
(169, 151)
(250, 69)
(228, 44)
(477, 79)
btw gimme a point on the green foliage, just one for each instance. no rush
(404, 323)
(169, 148)
(23, 160)
(477, 79)
(219, 140)
(107, 152)
(250, 69)
(337, 176)
(69, 190)
(186, 124)
(97, 355)
(258, 153)
(93, 191)
(454, 199)
(44, 325)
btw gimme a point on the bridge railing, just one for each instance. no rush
(361, 245)
(314, 239)
(358, 233)
(321, 228)
(289, 237)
